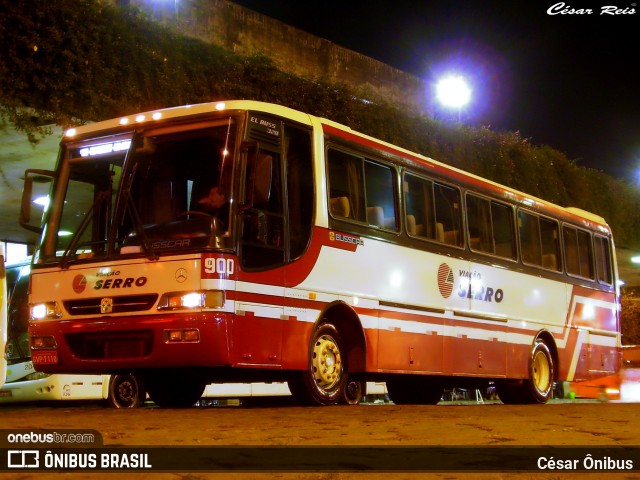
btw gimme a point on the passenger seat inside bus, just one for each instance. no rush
(375, 216)
(549, 261)
(414, 229)
(340, 207)
(450, 237)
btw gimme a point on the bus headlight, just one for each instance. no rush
(42, 311)
(182, 300)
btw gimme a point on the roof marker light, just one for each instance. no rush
(124, 121)
(140, 118)
(221, 106)
(71, 132)
(157, 115)
(105, 148)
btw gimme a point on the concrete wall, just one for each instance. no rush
(246, 32)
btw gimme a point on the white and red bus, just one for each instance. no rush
(3, 319)
(242, 241)
(23, 383)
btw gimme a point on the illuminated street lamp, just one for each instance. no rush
(453, 92)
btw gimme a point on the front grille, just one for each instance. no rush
(122, 304)
(92, 346)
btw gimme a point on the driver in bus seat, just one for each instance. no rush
(215, 204)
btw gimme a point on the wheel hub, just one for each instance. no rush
(125, 391)
(327, 362)
(541, 372)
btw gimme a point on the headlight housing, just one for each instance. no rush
(208, 299)
(44, 311)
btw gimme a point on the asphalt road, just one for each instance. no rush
(588, 425)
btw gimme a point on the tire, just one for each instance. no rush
(541, 373)
(325, 380)
(414, 391)
(353, 392)
(174, 391)
(538, 388)
(125, 391)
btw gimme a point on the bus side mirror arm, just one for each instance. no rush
(25, 209)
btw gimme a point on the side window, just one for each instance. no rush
(503, 230)
(433, 211)
(418, 198)
(578, 252)
(490, 227)
(539, 241)
(361, 190)
(380, 188)
(300, 189)
(448, 215)
(550, 236)
(603, 260)
(529, 238)
(346, 186)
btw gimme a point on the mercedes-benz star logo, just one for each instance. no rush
(181, 275)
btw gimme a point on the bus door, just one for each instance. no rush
(275, 223)
(258, 324)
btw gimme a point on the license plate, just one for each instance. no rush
(45, 358)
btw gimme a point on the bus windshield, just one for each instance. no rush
(162, 189)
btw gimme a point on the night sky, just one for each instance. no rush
(567, 80)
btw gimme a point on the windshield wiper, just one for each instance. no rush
(75, 239)
(139, 226)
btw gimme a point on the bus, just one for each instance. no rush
(3, 318)
(24, 384)
(241, 241)
(623, 386)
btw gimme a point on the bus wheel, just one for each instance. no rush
(325, 380)
(125, 391)
(538, 388)
(541, 373)
(353, 392)
(414, 391)
(173, 391)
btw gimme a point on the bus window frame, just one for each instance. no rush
(592, 279)
(364, 157)
(561, 259)
(461, 209)
(516, 257)
(609, 258)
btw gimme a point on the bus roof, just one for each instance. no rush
(597, 222)
(185, 111)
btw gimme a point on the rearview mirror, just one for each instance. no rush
(40, 196)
